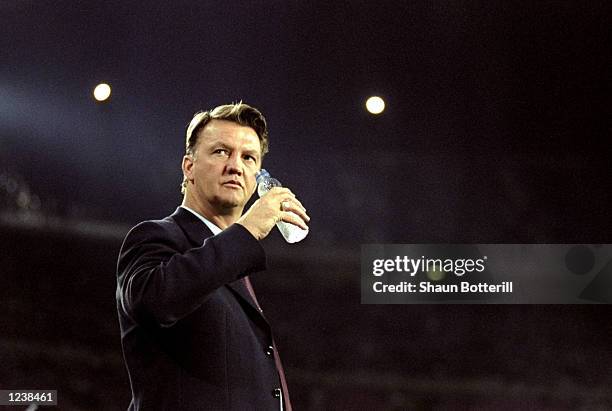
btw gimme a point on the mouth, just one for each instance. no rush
(233, 184)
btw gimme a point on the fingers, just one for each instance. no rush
(287, 201)
(277, 191)
(292, 202)
(279, 204)
(293, 205)
(293, 218)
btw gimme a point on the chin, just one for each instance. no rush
(230, 204)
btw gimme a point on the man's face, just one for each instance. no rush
(227, 156)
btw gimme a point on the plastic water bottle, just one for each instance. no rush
(291, 233)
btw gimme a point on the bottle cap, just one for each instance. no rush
(261, 174)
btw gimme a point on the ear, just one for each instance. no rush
(187, 167)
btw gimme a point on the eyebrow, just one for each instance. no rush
(218, 143)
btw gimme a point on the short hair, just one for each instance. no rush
(240, 113)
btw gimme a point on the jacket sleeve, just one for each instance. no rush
(157, 282)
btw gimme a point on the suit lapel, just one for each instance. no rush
(197, 232)
(239, 288)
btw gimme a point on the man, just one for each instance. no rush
(192, 331)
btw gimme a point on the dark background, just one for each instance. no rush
(497, 130)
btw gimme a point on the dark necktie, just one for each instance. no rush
(279, 365)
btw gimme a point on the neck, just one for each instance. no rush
(221, 218)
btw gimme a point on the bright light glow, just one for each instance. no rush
(375, 105)
(102, 92)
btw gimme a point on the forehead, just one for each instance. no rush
(229, 133)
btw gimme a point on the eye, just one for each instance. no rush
(250, 157)
(221, 151)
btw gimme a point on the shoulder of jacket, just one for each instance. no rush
(153, 228)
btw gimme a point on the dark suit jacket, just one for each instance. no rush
(192, 337)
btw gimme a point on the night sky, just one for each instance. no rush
(497, 127)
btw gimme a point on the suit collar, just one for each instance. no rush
(194, 228)
(215, 230)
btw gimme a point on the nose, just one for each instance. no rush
(233, 165)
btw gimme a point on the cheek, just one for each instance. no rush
(251, 185)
